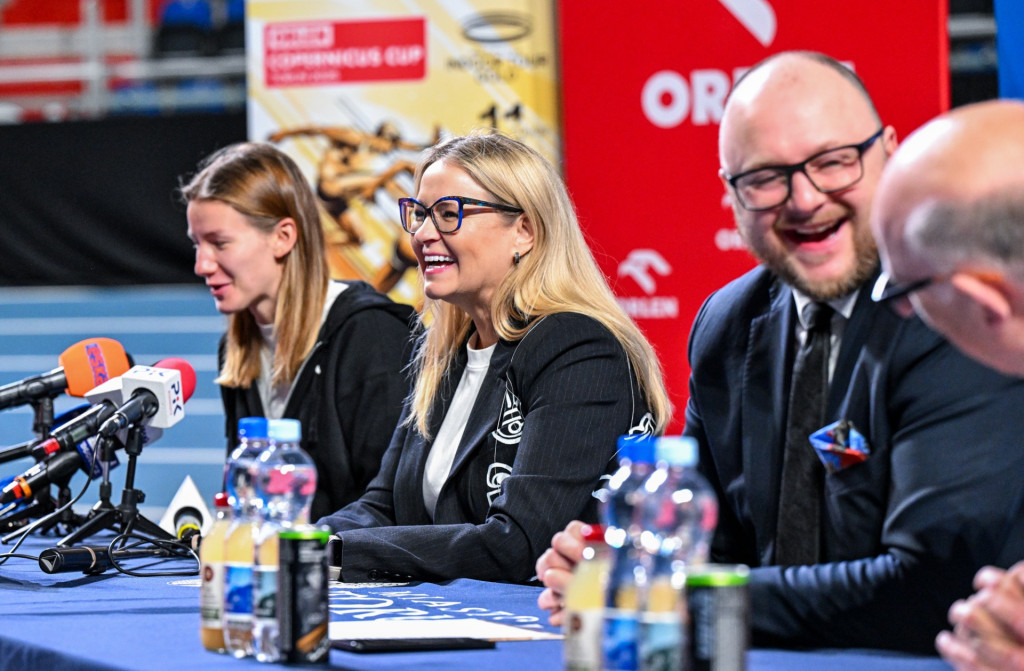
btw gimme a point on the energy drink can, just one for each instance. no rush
(718, 601)
(302, 604)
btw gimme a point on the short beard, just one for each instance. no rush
(866, 263)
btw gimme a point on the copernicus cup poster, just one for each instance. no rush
(354, 91)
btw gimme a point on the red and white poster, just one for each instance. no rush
(354, 91)
(643, 88)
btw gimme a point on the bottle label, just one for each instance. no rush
(237, 591)
(211, 594)
(581, 649)
(265, 592)
(620, 640)
(661, 642)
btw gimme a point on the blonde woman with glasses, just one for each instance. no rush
(525, 378)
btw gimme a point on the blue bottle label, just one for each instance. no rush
(237, 589)
(620, 640)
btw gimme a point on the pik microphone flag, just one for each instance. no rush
(1009, 16)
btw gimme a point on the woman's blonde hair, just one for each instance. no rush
(262, 183)
(558, 275)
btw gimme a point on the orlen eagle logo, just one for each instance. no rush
(669, 98)
(642, 265)
(757, 16)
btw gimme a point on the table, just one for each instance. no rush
(116, 622)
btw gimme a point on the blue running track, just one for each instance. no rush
(37, 324)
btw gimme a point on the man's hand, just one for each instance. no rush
(555, 566)
(988, 627)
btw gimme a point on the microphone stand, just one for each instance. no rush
(42, 503)
(42, 410)
(125, 518)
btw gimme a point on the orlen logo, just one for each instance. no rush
(97, 364)
(668, 99)
(642, 265)
(757, 16)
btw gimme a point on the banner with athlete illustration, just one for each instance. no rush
(355, 90)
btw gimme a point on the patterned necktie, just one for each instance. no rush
(797, 538)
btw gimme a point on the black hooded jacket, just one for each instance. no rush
(348, 394)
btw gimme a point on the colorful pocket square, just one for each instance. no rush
(839, 445)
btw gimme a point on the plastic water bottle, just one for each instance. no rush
(583, 623)
(626, 578)
(285, 480)
(238, 542)
(679, 511)
(211, 575)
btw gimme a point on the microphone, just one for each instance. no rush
(88, 424)
(17, 451)
(83, 366)
(55, 469)
(157, 396)
(90, 559)
(188, 524)
(59, 460)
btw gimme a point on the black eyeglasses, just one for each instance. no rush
(886, 290)
(446, 213)
(829, 171)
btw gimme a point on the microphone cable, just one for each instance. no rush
(165, 551)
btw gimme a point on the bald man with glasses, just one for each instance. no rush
(949, 220)
(845, 552)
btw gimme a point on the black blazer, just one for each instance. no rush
(903, 532)
(542, 432)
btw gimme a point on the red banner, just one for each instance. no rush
(317, 53)
(643, 92)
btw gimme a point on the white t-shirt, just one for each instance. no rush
(446, 444)
(275, 399)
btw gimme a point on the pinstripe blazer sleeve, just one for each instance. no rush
(577, 394)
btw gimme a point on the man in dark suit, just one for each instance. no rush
(949, 221)
(889, 540)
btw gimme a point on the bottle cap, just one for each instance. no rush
(638, 449)
(285, 430)
(252, 427)
(593, 533)
(677, 450)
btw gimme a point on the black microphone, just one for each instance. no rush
(17, 451)
(55, 469)
(83, 366)
(62, 452)
(67, 435)
(90, 558)
(188, 524)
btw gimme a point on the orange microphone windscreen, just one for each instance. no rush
(91, 362)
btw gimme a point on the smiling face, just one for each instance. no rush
(465, 267)
(784, 113)
(241, 264)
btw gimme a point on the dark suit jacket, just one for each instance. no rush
(904, 532)
(542, 432)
